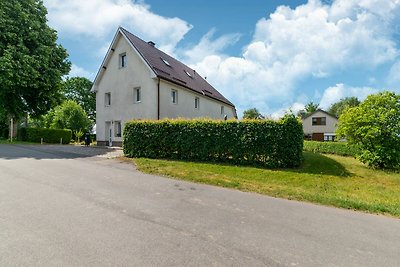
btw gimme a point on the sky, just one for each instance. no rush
(275, 56)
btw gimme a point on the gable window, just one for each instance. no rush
(122, 60)
(318, 121)
(222, 110)
(117, 129)
(196, 102)
(174, 96)
(107, 100)
(137, 94)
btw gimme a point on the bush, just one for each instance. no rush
(267, 143)
(51, 136)
(374, 126)
(337, 148)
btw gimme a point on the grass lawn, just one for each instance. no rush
(324, 179)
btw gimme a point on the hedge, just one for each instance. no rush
(266, 143)
(337, 148)
(51, 136)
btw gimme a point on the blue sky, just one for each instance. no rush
(272, 55)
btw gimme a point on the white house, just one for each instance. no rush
(320, 126)
(138, 81)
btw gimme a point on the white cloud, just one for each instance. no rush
(99, 18)
(312, 40)
(335, 93)
(208, 46)
(394, 75)
(77, 71)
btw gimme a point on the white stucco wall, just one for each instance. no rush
(208, 108)
(330, 126)
(120, 82)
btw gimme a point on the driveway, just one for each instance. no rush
(69, 206)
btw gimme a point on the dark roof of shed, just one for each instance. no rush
(175, 72)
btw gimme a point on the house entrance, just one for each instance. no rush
(109, 133)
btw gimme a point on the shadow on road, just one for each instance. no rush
(9, 151)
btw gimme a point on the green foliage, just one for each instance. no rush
(70, 115)
(338, 107)
(78, 90)
(252, 114)
(78, 134)
(374, 126)
(51, 136)
(308, 109)
(259, 142)
(4, 128)
(31, 62)
(337, 148)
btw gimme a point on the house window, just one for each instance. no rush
(174, 96)
(122, 60)
(188, 74)
(166, 62)
(222, 110)
(107, 100)
(196, 102)
(318, 121)
(137, 94)
(117, 129)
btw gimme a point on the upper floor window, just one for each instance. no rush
(107, 99)
(174, 96)
(196, 102)
(122, 60)
(137, 94)
(319, 121)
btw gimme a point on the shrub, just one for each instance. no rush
(337, 148)
(259, 142)
(374, 126)
(51, 136)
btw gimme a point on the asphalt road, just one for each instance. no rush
(63, 207)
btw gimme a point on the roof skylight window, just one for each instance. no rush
(188, 74)
(166, 62)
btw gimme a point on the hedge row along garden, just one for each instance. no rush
(51, 136)
(336, 148)
(270, 144)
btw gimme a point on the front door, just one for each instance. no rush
(318, 137)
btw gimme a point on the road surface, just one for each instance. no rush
(64, 206)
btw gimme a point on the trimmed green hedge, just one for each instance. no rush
(337, 148)
(51, 136)
(266, 143)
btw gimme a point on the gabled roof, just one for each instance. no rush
(168, 68)
(319, 110)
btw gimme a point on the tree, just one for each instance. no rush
(70, 115)
(252, 113)
(31, 62)
(338, 107)
(374, 126)
(78, 89)
(308, 109)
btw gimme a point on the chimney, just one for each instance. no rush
(153, 44)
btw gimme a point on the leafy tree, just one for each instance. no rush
(374, 126)
(78, 89)
(311, 107)
(31, 62)
(308, 109)
(3, 124)
(338, 107)
(70, 115)
(252, 113)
